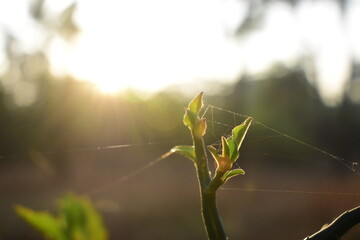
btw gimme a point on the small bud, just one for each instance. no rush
(223, 163)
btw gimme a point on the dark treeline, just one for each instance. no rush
(69, 114)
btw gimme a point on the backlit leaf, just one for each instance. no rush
(234, 152)
(43, 222)
(225, 147)
(239, 132)
(78, 220)
(232, 173)
(186, 151)
(235, 155)
(196, 104)
(214, 153)
(190, 119)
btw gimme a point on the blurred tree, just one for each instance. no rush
(27, 85)
(254, 20)
(25, 72)
(256, 10)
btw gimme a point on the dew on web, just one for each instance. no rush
(355, 167)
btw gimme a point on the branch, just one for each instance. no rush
(339, 226)
(211, 218)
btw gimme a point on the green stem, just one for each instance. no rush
(211, 218)
(216, 181)
(201, 163)
(212, 221)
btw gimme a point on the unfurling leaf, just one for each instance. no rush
(239, 132)
(196, 104)
(186, 151)
(238, 135)
(230, 148)
(223, 163)
(232, 173)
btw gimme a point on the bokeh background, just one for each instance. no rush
(91, 91)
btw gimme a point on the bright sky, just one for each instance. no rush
(153, 44)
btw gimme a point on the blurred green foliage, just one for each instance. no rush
(77, 220)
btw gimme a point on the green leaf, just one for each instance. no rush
(186, 151)
(43, 222)
(239, 132)
(232, 173)
(74, 216)
(237, 137)
(225, 147)
(190, 118)
(78, 220)
(196, 104)
(235, 155)
(233, 148)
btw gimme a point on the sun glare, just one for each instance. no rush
(150, 55)
(108, 86)
(150, 48)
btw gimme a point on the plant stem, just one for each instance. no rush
(211, 218)
(216, 182)
(212, 221)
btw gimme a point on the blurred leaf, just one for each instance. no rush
(74, 217)
(43, 222)
(78, 220)
(82, 220)
(186, 151)
(196, 104)
(37, 9)
(68, 27)
(254, 18)
(232, 173)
